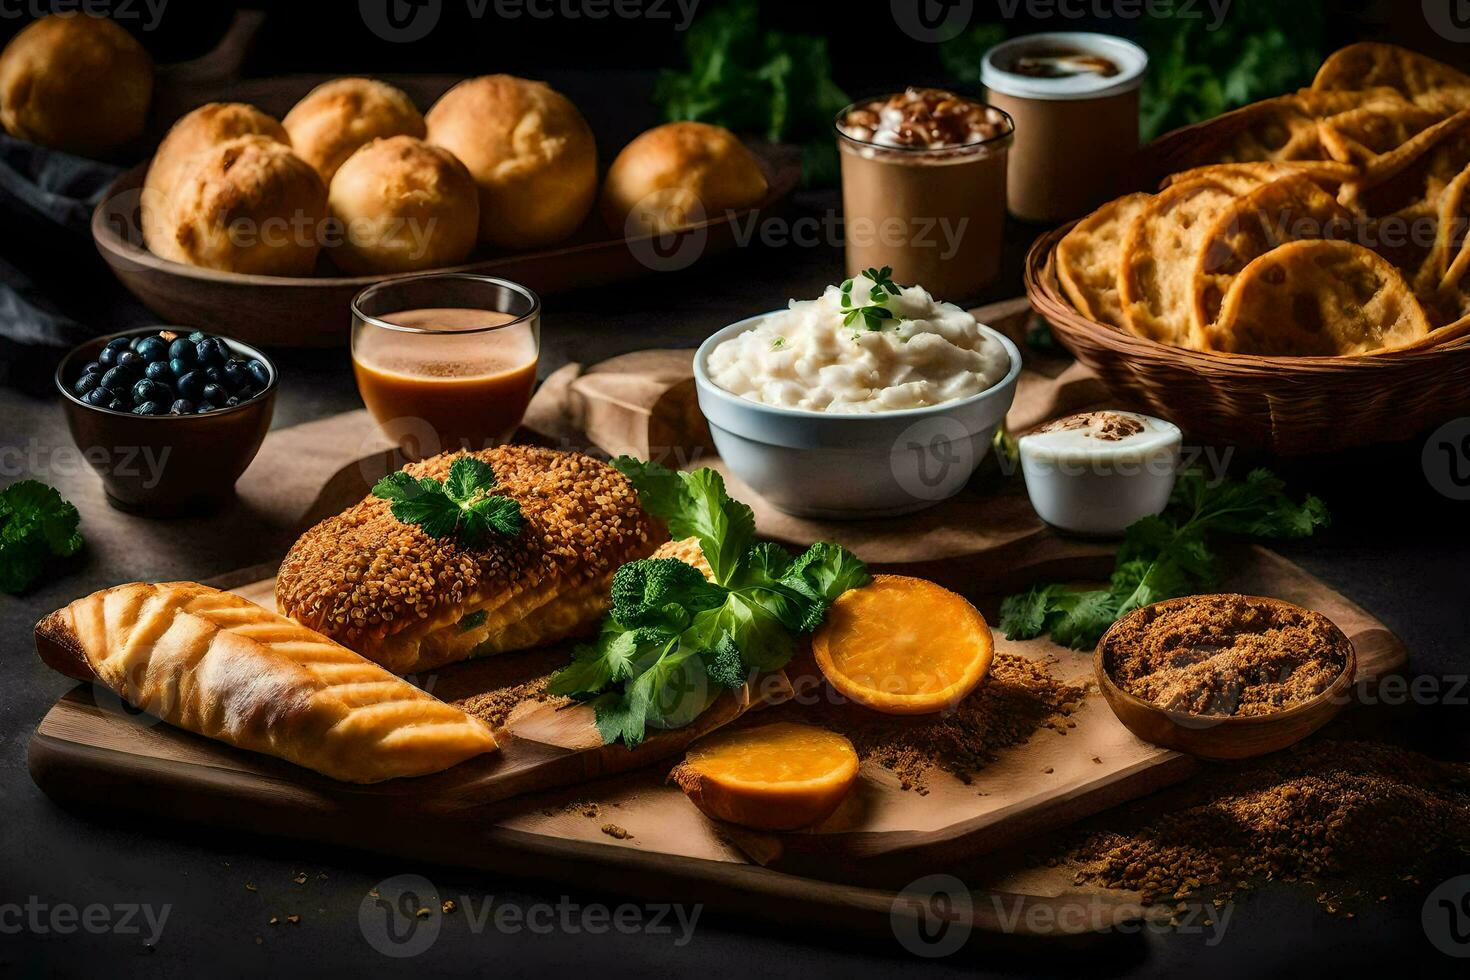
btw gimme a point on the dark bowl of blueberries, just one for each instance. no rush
(168, 417)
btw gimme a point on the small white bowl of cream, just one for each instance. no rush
(1095, 473)
(872, 400)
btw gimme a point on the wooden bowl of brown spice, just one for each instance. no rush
(1224, 676)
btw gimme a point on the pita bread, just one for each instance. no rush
(1156, 267)
(1290, 209)
(1362, 135)
(1318, 299)
(1329, 173)
(1088, 257)
(1369, 64)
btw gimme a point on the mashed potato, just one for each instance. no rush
(805, 357)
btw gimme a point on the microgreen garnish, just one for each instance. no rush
(462, 507)
(875, 313)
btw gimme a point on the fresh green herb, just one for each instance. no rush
(473, 621)
(462, 507)
(36, 524)
(777, 343)
(1165, 556)
(674, 639)
(770, 83)
(875, 312)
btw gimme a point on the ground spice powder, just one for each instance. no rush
(494, 706)
(1019, 697)
(1225, 655)
(1344, 811)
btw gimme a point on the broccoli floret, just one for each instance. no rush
(726, 667)
(641, 591)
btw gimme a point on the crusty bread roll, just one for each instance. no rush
(413, 602)
(203, 129)
(75, 83)
(678, 174)
(337, 117)
(221, 666)
(530, 151)
(403, 205)
(248, 205)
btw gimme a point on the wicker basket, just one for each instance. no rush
(1287, 405)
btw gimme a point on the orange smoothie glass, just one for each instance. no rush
(446, 361)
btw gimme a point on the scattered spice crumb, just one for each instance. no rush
(249, 886)
(1097, 759)
(448, 906)
(1048, 770)
(1019, 696)
(300, 879)
(614, 831)
(495, 706)
(423, 913)
(295, 920)
(275, 920)
(1326, 810)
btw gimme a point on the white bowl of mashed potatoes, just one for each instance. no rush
(831, 409)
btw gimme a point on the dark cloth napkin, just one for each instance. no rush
(55, 290)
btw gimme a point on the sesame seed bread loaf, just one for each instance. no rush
(413, 602)
(219, 665)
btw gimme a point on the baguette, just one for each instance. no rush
(221, 666)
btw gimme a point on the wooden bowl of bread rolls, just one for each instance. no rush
(265, 227)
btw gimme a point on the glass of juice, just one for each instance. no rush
(446, 361)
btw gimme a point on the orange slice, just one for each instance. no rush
(776, 777)
(903, 646)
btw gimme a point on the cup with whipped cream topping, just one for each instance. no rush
(924, 188)
(1095, 473)
(1074, 97)
(830, 409)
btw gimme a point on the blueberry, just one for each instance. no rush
(215, 376)
(246, 393)
(197, 336)
(211, 351)
(117, 378)
(232, 401)
(215, 394)
(133, 342)
(179, 367)
(108, 357)
(181, 407)
(159, 371)
(131, 361)
(117, 405)
(259, 372)
(204, 407)
(148, 408)
(236, 374)
(86, 383)
(182, 350)
(92, 367)
(98, 396)
(150, 391)
(153, 349)
(191, 385)
(118, 343)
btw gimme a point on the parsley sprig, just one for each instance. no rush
(462, 507)
(674, 639)
(1165, 556)
(36, 525)
(875, 313)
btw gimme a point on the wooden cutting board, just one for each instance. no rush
(556, 802)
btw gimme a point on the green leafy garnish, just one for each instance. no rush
(462, 507)
(875, 313)
(1165, 556)
(753, 80)
(674, 639)
(36, 524)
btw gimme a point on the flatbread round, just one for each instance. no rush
(1088, 256)
(1369, 64)
(1360, 136)
(1286, 210)
(1156, 267)
(1329, 173)
(1318, 298)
